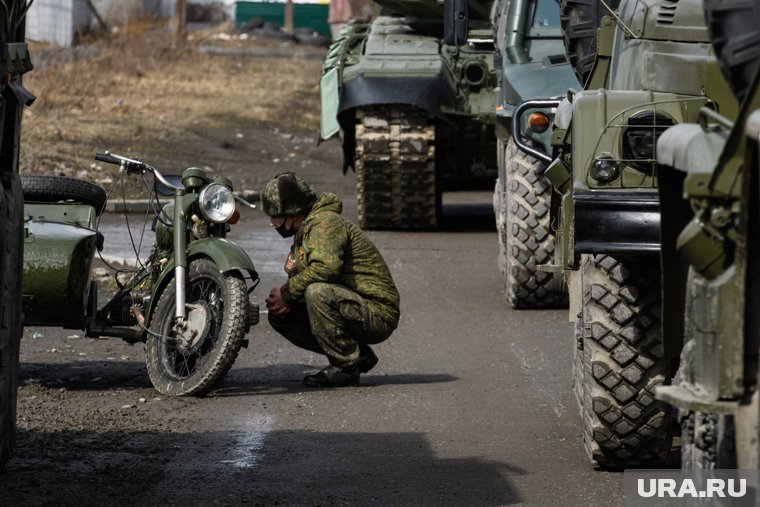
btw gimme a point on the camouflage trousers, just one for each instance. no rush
(332, 321)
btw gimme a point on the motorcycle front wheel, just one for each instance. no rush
(179, 368)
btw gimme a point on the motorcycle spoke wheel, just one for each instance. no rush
(182, 363)
(177, 368)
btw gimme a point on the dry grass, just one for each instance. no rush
(138, 92)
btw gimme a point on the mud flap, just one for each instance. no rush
(329, 97)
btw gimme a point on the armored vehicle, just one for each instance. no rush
(414, 114)
(531, 63)
(14, 62)
(654, 68)
(715, 164)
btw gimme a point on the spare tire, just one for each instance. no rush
(734, 27)
(580, 20)
(41, 188)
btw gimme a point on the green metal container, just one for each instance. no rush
(305, 15)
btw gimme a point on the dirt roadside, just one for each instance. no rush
(138, 93)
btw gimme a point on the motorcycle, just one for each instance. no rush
(188, 302)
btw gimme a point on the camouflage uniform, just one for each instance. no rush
(339, 288)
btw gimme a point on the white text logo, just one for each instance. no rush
(661, 488)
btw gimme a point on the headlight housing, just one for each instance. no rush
(605, 169)
(640, 139)
(216, 202)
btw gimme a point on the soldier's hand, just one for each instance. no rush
(275, 303)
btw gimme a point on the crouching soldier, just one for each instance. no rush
(340, 297)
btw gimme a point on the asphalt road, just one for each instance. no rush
(470, 404)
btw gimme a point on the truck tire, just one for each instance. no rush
(523, 202)
(734, 27)
(618, 361)
(395, 168)
(42, 188)
(580, 20)
(12, 209)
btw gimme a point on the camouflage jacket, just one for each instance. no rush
(329, 248)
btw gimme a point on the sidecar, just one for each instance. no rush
(60, 241)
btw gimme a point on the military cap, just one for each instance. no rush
(286, 195)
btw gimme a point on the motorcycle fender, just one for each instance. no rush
(227, 255)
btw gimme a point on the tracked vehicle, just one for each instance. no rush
(414, 113)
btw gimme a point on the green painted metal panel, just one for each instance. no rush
(304, 15)
(57, 260)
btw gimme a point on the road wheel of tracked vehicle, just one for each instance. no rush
(11, 259)
(395, 168)
(618, 361)
(59, 188)
(735, 34)
(192, 369)
(525, 240)
(580, 20)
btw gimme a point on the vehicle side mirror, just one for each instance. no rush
(455, 22)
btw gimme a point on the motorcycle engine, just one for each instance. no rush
(120, 310)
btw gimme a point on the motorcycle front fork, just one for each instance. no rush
(179, 302)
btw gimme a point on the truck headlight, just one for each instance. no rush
(605, 169)
(216, 202)
(640, 139)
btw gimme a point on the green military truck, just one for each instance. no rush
(653, 68)
(531, 63)
(715, 164)
(414, 113)
(14, 62)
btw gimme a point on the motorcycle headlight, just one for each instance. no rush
(640, 139)
(216, 202)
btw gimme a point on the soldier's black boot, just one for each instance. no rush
(367, 358)
(334, 376)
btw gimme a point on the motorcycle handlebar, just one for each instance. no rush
(133, 165)
(107, 158)
(129, 164)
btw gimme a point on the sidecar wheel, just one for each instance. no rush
(41, 188)
(175, 370)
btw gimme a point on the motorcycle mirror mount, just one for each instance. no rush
(244, 202)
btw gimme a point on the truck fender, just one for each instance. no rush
(428, 93)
